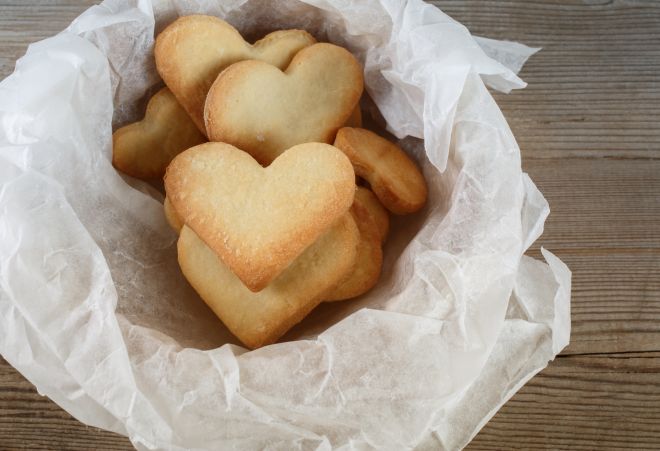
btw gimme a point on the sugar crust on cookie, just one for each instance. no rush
(258, 220)
(258, 319)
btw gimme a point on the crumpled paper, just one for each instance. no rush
(95, 313)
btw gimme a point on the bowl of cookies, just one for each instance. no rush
(262, 175)
(235, 224)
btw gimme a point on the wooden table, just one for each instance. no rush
(589, 129)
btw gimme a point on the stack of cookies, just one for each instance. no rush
(280, 199)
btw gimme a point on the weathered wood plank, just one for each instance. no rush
(603, 224)
(600, 204)
(582, 403)
(31, 421)
(594, 90)
(23, 22)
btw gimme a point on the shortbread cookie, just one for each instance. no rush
(145, 148)
(355, 119)
(378, 213)
(173, 218)
(264, 111)
(369, 259)
(393, 176)
(258, 319)
(258, 220)
(193, 50)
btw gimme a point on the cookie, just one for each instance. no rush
(394, 177)
(173, 218)
(355, 119)
(145, 148)
(264, 111)
(378, 213)
(369, 259)
(193, 50)
(258, 319)
(258, 220)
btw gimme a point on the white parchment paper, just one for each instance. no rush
(94, 310)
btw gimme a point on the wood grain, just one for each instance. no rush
(24, 22)
(588, 128)
(33, 422)
(582, 403)
(603, 224)
(593, 90)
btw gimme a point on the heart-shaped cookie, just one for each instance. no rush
(172, 217)
(264, 111)
(259, 319)
(193, 50)
(392, 175)
(144, 149)
(378, 213)
(258, 220)
(355, 119)
(369, 258)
